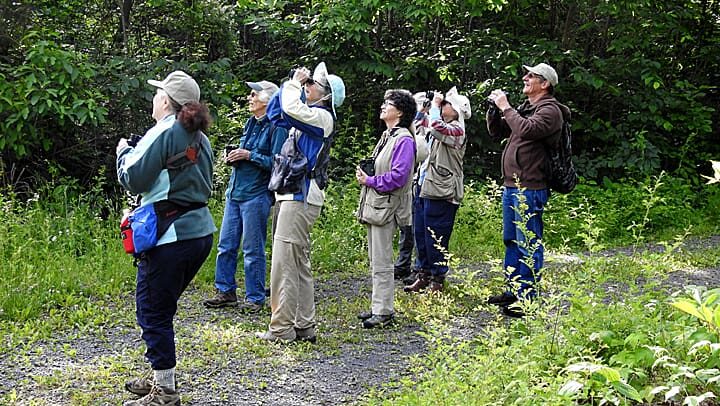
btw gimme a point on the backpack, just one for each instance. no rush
(320, 171)
(289, 168)
(562, 176)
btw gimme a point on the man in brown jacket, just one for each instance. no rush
(535, 123)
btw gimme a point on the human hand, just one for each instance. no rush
(438, 98)
(301, 75)
(499, 97)
(238, 154)
(122, 144)
(360, 176)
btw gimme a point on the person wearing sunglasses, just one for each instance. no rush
(528, 128)
(247, 205)
(385, 200)
(306, 106)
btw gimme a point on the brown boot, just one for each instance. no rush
(422, 282)
(436, 284)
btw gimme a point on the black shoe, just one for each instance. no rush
(378, 320)
(364, 315)
(411, 278)
(305, 335)
(513, 311)
(401, 273)
(504, 299)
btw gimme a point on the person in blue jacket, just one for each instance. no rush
(306, 106)
(247, 205)
(164, 271)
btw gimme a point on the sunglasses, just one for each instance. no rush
(533, 75)
(311, 81)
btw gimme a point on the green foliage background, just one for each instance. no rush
(640, 76)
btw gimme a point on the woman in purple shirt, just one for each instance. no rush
(384, 200)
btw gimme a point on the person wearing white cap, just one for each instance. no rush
(306, 105)
(440, 189)
(247, 205)
(171, 167)
(404, 268)
(528, 128)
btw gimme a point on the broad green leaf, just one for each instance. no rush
(687, 307)
(627, 390)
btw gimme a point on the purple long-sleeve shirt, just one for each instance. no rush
(401, 164)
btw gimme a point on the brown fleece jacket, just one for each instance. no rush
(529, 128)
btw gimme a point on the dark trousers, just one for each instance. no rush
(163, 274)
(406, 243)
(438, 216)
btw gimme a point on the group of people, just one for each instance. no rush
(413, 182)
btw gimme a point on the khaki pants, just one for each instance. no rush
(380, 252)
(292, 290)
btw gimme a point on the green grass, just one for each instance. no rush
(64, 270)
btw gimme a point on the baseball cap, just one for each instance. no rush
(263, 85)
(545, 71)
(180, 86)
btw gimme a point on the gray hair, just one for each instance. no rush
(264, 95)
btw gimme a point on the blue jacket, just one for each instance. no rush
(250, 177)
(310, 124)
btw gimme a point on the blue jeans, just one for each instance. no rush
(162, 276)
(516, 240)
(246, 221)
(438, 216)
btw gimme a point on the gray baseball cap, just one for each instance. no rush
(265, 85)
(545, 71)
(180, 86)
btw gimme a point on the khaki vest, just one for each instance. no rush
(444, 174)
(377, 208)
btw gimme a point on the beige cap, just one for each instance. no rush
(180, 86)
(545, 71)
(265, 85)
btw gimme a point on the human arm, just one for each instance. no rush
(401, 164)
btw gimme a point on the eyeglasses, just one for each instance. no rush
(253, 93)
(388, 103)
(533, 75)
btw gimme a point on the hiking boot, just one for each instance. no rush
(158, 396)
(221, 299)
(272, 338)
(364, 315)
(141, 385)
(504, 299)
(378, 320)
(401, 273)
(421, 283)
(305, 335)
(250, 307)
(436, 284)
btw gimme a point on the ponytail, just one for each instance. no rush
(194, 116)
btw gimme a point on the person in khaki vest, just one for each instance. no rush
(440, 187)
(385, 200)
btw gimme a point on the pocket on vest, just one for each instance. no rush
(377, 209)
(439, 183)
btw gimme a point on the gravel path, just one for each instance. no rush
(342, 373)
